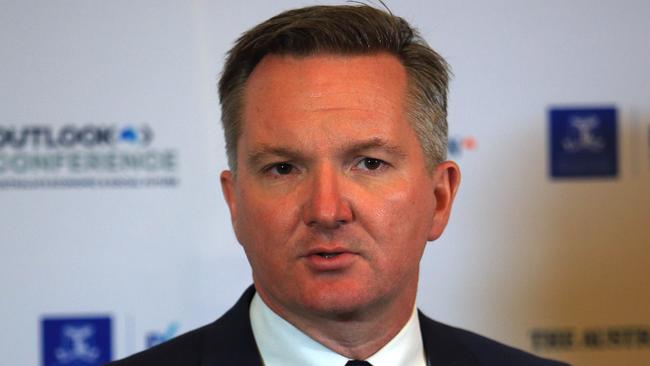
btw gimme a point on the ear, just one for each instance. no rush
(446, 179)
(228, 188)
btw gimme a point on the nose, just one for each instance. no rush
(325, 205)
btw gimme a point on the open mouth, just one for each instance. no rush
(328, 255)
(330, 259)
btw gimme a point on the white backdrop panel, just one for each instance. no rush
(522, 251)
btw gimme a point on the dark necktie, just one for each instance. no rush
(358, 363)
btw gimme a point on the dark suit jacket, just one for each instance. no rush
(229, 341)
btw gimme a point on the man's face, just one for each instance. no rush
(333, 201)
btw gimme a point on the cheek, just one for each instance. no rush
(262, 222)
(255, 232)
(406, 214)
(400, 224)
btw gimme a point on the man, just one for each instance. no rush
(335, 125)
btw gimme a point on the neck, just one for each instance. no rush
(355, 335)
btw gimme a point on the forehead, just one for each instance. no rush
(283, 88)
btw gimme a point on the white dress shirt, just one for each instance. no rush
(282, 344)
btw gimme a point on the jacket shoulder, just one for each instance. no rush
(182, 350)
(227, 341)
(483, 351)
(491, 352)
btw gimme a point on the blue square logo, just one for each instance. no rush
(583, 142)
(83, 341)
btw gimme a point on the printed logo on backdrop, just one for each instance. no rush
(155, 338)
(583, 142)
(592, 338)
(458, 145)
(84, 156)
(79, 341)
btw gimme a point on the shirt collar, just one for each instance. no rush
(282, 344)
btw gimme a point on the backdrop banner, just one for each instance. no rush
(115, 235)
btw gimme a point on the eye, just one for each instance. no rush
(370, 164)
(281, 169)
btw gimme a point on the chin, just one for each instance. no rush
(343, 301)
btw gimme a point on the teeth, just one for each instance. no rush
(328, 255)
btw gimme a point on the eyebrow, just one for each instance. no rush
(371, 144)
(255, 157)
